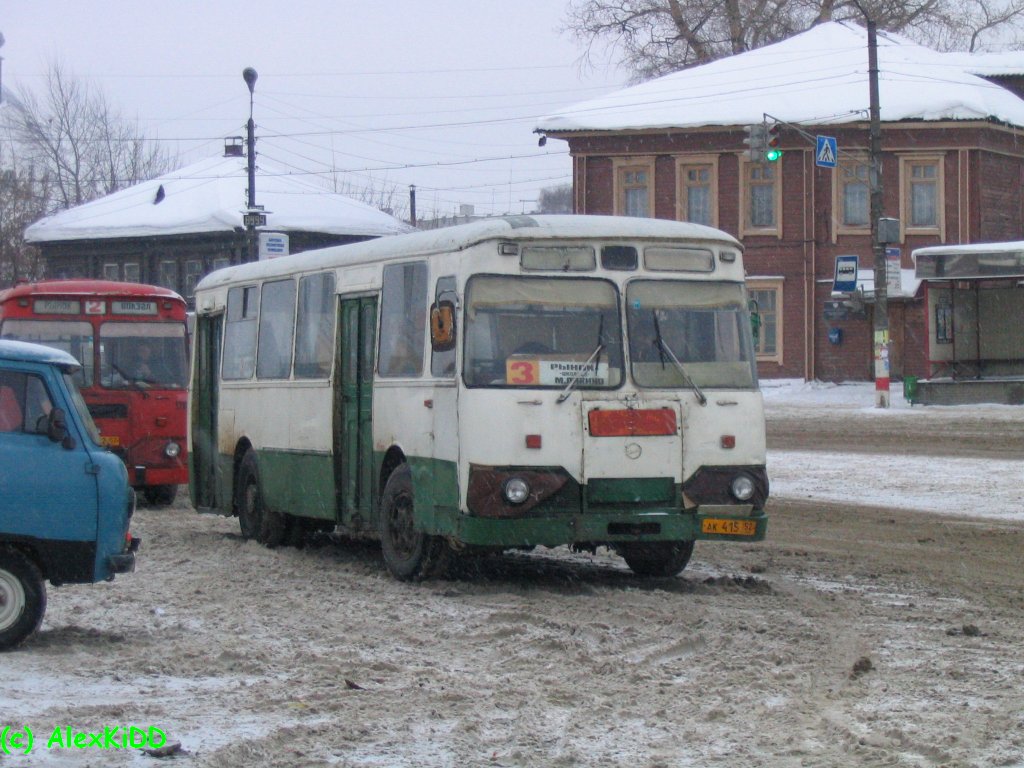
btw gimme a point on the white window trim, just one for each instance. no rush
(685, 161)
(621, 163)
(745, 227)
(767, 284)
(940, 214)
(839, 228)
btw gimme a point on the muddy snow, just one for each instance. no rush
(879, 624)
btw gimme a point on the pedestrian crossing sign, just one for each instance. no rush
(825, 152)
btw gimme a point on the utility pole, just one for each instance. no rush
(881, 312)
(252, 215)
(412, 204)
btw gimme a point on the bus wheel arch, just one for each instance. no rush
(409, 554)
(393, 459)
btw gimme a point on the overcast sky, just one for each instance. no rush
(442, 94)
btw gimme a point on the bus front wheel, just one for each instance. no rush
(254, 519)
(409, 554)
(22, 598)
(659, 559)
(160, 495)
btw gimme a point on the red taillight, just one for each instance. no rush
(533, 441)
(728, 441)
(632, 422)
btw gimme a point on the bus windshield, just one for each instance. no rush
(72, 336)
(689, 330)
(146, 354)
(542, 332)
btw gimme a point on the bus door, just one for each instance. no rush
(206, 476)
(353, 433)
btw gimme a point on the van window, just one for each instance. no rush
(24, 403)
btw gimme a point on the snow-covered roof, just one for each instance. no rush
(818, 77)
(210, 196)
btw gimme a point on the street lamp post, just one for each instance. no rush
(252, 215)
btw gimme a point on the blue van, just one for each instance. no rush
(65, 501)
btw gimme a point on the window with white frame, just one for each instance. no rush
(111, 271)
(921, 196)
(765, 300)
(168, 275)
(761, 194)
(853, 195)
(697, 191)
(132, 274)
(193, 273)
(634, 188)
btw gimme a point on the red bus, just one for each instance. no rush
(131, 340)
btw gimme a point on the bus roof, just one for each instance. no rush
(970, 261)
(88, 288)
(447, 239)
(25, 352)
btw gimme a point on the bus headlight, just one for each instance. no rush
(742, 487)
(516, 490)
(172, 450)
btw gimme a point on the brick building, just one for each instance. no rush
(952, 167)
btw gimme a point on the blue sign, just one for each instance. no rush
(846, 274)
(826, 151)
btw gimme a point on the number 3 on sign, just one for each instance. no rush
(522, 372)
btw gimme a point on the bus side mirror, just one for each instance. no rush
(442, 326)
(755, 320)
(57, 429)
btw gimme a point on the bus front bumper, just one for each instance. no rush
(719, 522)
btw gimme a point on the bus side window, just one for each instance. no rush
(443, 330)
(403, 320)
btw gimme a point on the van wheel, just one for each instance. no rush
(254, 519)
(409, 554)
(660, 559)
(22, 598)
(160, 495)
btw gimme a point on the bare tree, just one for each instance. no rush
(383, 195)
(85, 148)
(20, 205)
(557, 199)
(655, 37)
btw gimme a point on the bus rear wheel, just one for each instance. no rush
(409, 554)
(658, 559)
(22, 598)
(254, 519)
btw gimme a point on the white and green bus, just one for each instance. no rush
(515, 382)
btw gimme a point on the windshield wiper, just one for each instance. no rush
(664, 349)
(595, 354)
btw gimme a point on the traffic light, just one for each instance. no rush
(772, 152)
(756, 141)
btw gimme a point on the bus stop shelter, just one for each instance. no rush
(974, 296)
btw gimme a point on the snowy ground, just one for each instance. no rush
(949, 486)
(878, 625)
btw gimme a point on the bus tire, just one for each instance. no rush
(409, 554)
(160, 495)
(254, 519)
(22, 598)
(658, 559)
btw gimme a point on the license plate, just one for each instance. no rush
(728, 527)
(110, 440)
